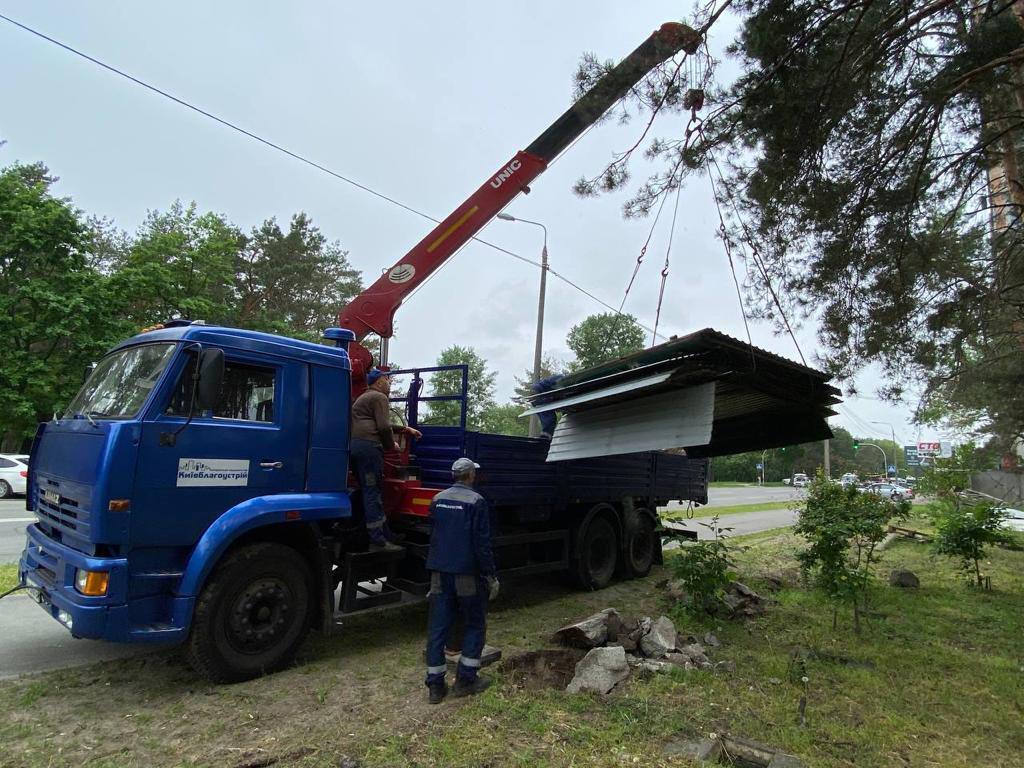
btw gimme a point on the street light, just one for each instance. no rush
(534, 421)
(885, 463)
(895, 447)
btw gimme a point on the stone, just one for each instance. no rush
(732, 602)
(712, 640)
(653, 667)
(599, 671)
(617, 627)
(628, 644)
(643, 626)
(591, 632)
(728, 665)
(775, 681)
(680, 660)
(743, 590)
(786, 577)
(905, 579)
(782, 760)
(696, 749)
(695, 653)
(660, 640)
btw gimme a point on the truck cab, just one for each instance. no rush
(140, 486)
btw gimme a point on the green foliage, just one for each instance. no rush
(705, 569)
(71, 287)
(504, 420)
(843, 526)
(58, 314)
(602, 337)
(480, 394)
(964, 530)
(945, 478)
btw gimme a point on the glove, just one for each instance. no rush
(492, 583)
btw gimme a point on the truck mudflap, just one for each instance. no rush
(50, 569)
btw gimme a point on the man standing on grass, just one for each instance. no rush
(462, 580)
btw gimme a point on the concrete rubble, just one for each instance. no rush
(616, 644)
(905, 579)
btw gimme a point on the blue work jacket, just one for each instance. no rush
(460, 540)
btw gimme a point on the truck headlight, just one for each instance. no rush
(92, 583)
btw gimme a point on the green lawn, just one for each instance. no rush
(937, 678)
(8, 577)
(736, 509)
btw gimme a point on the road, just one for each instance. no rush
(13, 519)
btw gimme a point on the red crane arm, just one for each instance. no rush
(374, 309)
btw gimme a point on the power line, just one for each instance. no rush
(294, 155)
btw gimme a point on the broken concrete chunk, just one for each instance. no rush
(743, 590)
(660, 640)
(589, 633)
(676, 590)
(599, 671)
(781, 760)
(905, 579)
(680, 660)
(652, 666)
(711, 639)
(696, 654)
(697, 749)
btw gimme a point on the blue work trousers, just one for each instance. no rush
(450, 595)
(368, 464)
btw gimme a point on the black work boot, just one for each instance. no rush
(469, 688)
(437, 692)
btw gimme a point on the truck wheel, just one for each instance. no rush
(252, 615)
(641, 546)
(598, 553)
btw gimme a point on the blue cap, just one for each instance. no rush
(374, 374)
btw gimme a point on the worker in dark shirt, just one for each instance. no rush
(463, 578)
(372, 435)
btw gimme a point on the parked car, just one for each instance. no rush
(13, 473)
(894, 492)
(908, 490)
(800, 480)
(1014, 519)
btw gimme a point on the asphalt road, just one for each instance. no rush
(13, 519)
(30, 641)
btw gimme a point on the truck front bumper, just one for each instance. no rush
(51, 568)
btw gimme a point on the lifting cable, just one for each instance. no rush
(664, 269)
(758, 260)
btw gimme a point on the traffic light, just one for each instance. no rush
(856, 445)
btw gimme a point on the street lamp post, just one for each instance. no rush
(534, 421)
(895, 447)
(885, 463)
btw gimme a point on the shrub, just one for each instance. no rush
(705, 569)
(964, 530)
(843, 527)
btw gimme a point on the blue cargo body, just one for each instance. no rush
(231, 525)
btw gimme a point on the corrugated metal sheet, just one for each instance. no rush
(672, 419)
(600, 394)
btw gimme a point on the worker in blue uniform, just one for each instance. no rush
(462, 581)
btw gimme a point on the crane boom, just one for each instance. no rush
(373, 311)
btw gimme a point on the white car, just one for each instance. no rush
(888, 490)
(1014, 519)
(13, 474)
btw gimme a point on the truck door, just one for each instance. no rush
(253, 443)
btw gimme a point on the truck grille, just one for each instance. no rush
(62, 512)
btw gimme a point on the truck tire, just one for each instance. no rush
(641, 545)
(252, 615)
(598, 553)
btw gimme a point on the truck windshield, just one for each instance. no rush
(121, 382)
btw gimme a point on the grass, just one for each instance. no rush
(937, 678)
(8, 577)
(736, 509)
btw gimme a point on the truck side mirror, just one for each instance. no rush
(211, 376)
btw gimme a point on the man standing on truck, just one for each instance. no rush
(372, 435)
(463, 578)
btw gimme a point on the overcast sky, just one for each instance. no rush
(420, 101)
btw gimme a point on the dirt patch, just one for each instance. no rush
(537, 670)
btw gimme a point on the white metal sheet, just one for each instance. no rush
(679, 418)
(598, 394)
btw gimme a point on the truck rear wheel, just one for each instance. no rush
(641, 545)
(598, 554)
(252, 615)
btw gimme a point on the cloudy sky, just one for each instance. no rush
(420, 101)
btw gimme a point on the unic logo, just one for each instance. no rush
(505, 173)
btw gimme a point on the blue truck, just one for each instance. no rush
(197, 491)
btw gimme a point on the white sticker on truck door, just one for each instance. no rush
(219, 472)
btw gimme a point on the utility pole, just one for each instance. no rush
(895, 447)
(828, 462)
(539, 343)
